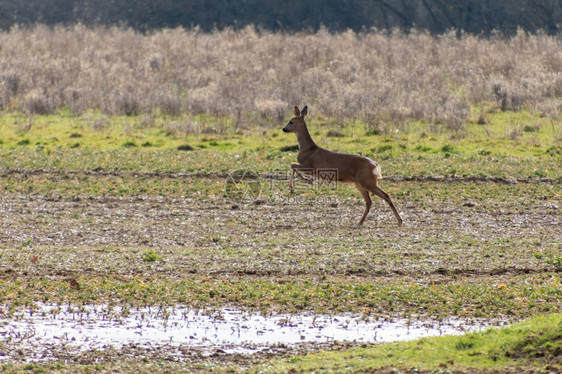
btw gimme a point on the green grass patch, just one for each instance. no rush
(129, 144)
(447, 148)
(328, 294)
(384, 148)
(529, 128)
(517, 134)
(530, 343)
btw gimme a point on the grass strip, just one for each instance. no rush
(521, 297)
(533, 343)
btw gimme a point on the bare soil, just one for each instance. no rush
(439, 238)
(491, 240)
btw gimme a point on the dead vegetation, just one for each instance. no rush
(378, 77)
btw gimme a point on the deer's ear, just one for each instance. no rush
(304, 111)
(297, 111)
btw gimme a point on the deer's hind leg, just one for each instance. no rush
(386, 197)
(376, 190)
(368, 202)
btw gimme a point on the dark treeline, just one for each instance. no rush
(437, 16)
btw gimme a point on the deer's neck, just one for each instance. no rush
(305, 140)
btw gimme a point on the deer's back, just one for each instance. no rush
(350, 167)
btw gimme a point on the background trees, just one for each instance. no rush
(473, 16)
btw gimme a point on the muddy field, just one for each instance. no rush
(292, 235)
(478, 250)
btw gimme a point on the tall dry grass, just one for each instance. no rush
(378, 77)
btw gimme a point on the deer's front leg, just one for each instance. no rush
(298, 169)
(292, 176)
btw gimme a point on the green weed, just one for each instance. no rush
(150, 255)
(529, 128)
(335, 134)
(184, 147)
(289, 148)
(422, 148)
(129, 144)
(554, 259)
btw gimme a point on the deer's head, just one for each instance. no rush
(297, 122)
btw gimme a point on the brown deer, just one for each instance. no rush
(361, 171)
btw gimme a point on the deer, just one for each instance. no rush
(362, 171)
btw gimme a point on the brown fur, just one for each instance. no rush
(361, 171)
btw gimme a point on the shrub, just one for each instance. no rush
(276, 109)
(99, 123)
(37, 102)
(186, 127)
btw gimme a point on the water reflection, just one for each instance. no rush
(97, 327)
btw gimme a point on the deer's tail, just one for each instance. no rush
(377, 171)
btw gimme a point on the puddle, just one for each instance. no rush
(96, 327)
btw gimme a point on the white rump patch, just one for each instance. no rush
(377, 171)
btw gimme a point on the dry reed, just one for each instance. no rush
(378, 77)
